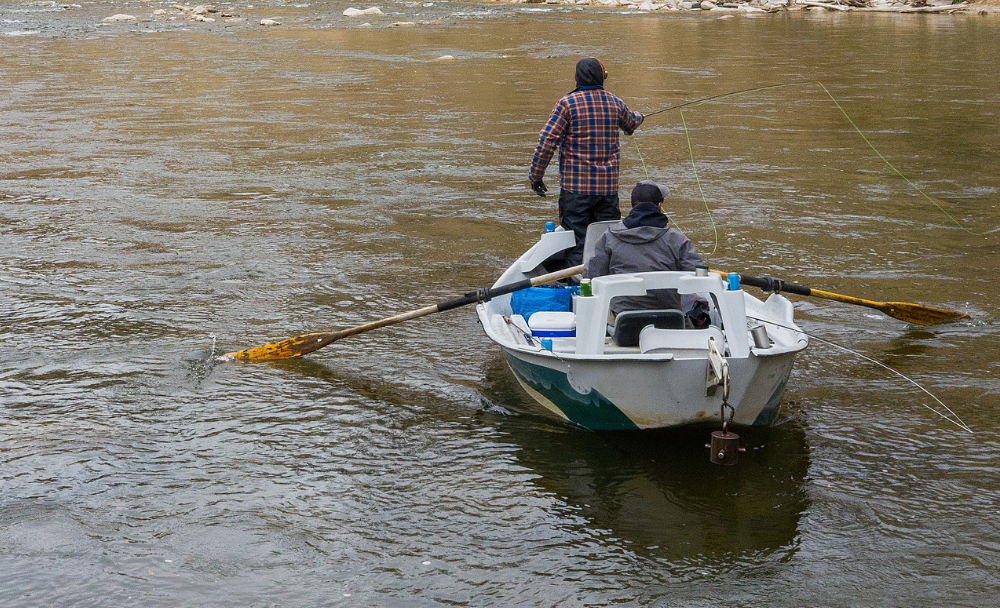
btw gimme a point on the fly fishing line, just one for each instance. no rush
(697, 179)
(704, 100)
(897, 171)
(957, 419)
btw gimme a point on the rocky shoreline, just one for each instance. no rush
(209, 13)
(776, 6)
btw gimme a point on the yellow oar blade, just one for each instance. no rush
(307, 343)
(922, 315)
(286, 349)
(917, 314)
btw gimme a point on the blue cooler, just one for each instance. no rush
(552, 324)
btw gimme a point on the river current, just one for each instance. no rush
(171, 190)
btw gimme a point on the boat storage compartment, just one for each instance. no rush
(552, 324)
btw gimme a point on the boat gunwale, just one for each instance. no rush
(778, 349)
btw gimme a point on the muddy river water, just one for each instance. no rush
(171, 190)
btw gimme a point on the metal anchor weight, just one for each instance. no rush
(725, 447)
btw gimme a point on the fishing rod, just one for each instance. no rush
(721, 95)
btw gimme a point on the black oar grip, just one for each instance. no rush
(484, 295)
(774, 285)
(480, 295)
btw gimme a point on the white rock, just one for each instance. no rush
(120, 17)
(401, 23)
(750, 9)
(647, 6)
(203, 19)
(355, 12)
(445, 58)
(269, 22)
(687, 5)
(159, 11)
(706, 5)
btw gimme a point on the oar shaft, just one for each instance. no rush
(307, 343)
(904, 311)
(406, 316)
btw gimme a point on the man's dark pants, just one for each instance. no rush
(576, 212)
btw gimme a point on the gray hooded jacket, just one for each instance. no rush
(642, 248)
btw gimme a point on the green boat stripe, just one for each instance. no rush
(591, 410)
(767, 416)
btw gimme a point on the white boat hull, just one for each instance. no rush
(628, 395)
(666, 381)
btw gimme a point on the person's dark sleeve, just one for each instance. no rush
(629, 121)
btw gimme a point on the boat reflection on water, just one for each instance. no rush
(654, 494)
(657, 491)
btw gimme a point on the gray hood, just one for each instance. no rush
(637, 235)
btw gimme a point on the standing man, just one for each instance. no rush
(584, 126)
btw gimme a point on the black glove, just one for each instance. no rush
(539, 188)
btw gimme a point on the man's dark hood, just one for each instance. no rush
(589, 73)
(646, 214)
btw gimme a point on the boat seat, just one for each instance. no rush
(630, 323)
(688, 343)
(594, 232)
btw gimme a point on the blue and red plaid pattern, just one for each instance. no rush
(584, 126)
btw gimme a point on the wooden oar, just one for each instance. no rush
(912, 313)
(307, 343)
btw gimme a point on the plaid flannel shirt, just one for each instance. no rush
(584, 126)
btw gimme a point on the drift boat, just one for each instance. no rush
(649, 369)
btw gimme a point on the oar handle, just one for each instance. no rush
(770, 284)
(774, 285)
(488, 293)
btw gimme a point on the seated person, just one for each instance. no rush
(641, 242)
